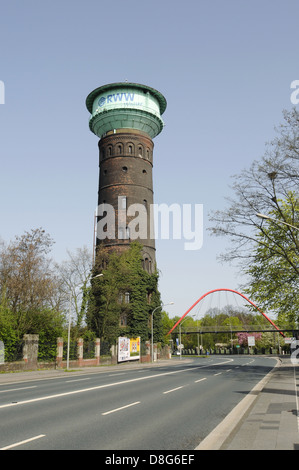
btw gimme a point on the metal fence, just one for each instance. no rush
(73, 353)
(89, 350)
(105, 348)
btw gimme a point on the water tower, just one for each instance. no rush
(126, 117)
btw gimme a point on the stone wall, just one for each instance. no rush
(30, 356)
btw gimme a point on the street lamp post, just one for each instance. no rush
(69, 326)
(180, 335)
(276, 221)
(263, 216)
(152, 332)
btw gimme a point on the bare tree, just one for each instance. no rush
(74, 275)
(265, 250)
(27, 280)
(260, 189)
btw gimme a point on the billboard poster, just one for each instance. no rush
(134, 348)
(128, 349)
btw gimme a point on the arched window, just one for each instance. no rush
(123, 319)
(147, 263)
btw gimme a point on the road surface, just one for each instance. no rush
(173, 406)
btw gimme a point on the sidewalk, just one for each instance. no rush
(266, 419)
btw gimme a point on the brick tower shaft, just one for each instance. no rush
(126, 183)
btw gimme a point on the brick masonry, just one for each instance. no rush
(126, 168)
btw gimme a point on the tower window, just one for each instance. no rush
(147, 264)
(144, 172)
(125, 169)
(124, 298)
(123, 319)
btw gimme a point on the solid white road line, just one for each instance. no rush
(11, 446)
(121, 408)
(17, 389)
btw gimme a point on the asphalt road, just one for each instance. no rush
(171, 407)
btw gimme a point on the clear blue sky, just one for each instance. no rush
(225, 68)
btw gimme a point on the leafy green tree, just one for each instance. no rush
(167, 324)
(28, 289)
(274, 270)
(27, 280)
(8, 332)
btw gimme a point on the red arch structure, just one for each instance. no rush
(227, 290)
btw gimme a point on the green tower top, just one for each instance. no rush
(126, 105)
